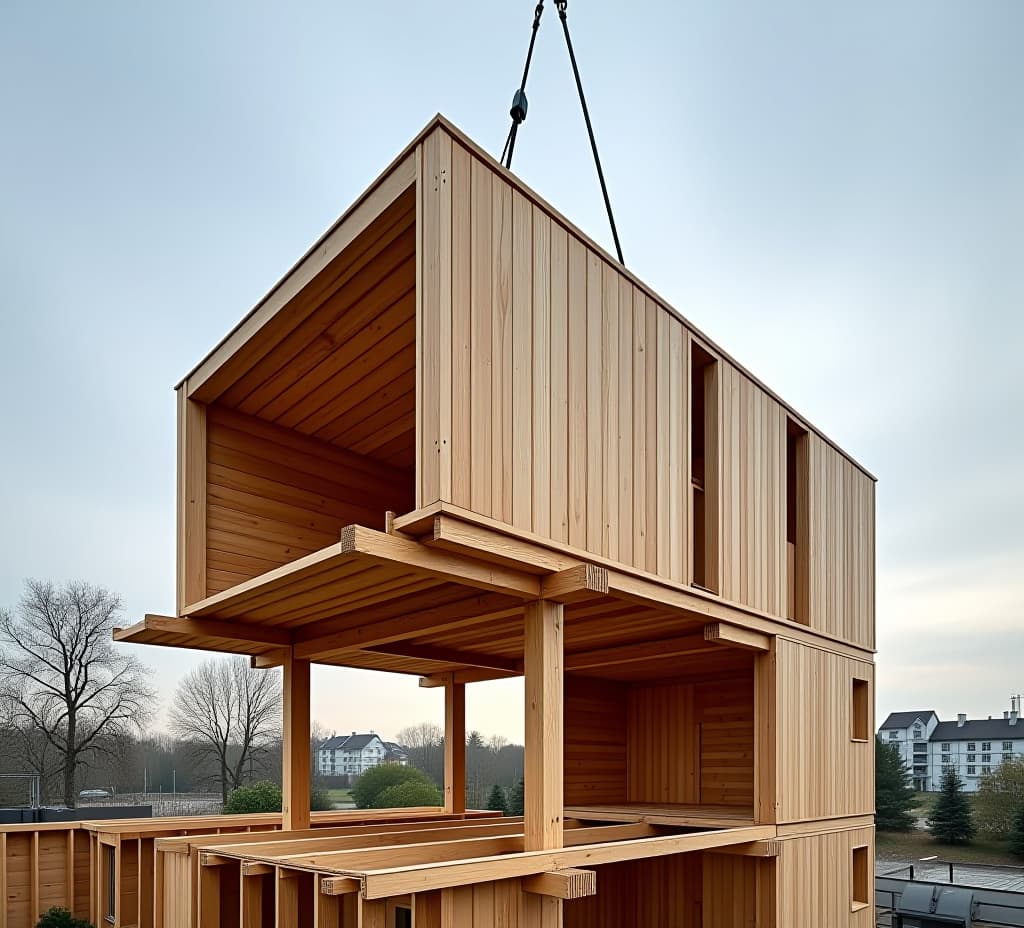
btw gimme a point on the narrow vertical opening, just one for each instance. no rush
(703, 468)
(403, 917)
(797, 545)
(111, 885)
(860, 711)
(860, 877)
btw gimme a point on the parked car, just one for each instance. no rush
(94, 794)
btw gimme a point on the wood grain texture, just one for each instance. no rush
(821, 772)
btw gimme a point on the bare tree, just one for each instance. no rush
(425, 744)
(61, 677)
(230, 713)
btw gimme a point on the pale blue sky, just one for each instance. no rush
(833, 193)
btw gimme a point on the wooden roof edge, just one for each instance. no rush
(440, 121)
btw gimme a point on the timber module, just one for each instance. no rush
(459, 441)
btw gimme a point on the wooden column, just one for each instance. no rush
(455, 747)
(765, 737)
(191, 531)
(543, 666)
(295, 776)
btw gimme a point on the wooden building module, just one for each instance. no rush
(458, 440)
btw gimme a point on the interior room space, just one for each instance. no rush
(676, 745)
(317, 427)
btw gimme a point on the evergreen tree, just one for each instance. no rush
(894, 797)
(1017, 835)
(516, 801)
(951, 822)
(496, 800)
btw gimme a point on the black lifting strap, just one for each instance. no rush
(518, 111)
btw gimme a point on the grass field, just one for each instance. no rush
(339, 795)
(915, 845)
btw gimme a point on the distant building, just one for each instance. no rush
(973, 747)
(356, 753)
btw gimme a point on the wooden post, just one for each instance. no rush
(455, 748)
(766, 733)
(543, 665)
(295, 776)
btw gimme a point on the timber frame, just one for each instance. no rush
(458, 440)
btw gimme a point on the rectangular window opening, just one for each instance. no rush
(704, 468)
(797, 525)
(861, 878)
(860, 711)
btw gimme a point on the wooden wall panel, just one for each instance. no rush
(660, 892)
(555, 397)
(841, 546)
(584, 372)
(739, 892)
(814, 880)
(273, 495)
(692, 743)
(752, 465)
(499, 904)
(595, 743)
(821, 771)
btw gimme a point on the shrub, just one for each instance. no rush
(320, 800)
(61, 918)
(371, 784)
(263, 796)
(1017, 835)
(408, 794)
(950, 822)
(1000, 797)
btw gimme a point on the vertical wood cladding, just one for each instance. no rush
(814, 880)
(822, 772)
(273, 495)
(664, 743)
(555, 396)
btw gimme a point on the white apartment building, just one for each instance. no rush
(356, 753)
(973, 747)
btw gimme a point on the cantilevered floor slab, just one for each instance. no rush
(391, 602)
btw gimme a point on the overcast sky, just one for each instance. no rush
(833, 192)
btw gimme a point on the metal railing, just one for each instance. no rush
(995, 908)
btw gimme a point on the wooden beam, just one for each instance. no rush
(340, 885)
(509, 666)
(584, 581)
(254, 868)
(238, 632)
(753, 849)
(570, 883)
(269, 661)
(295, 778)
(371, 633)
(400, 552)
(736, 637)
(469, 675)
(417, 878)
(455, 748)
(543, 763)
(636, 653)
